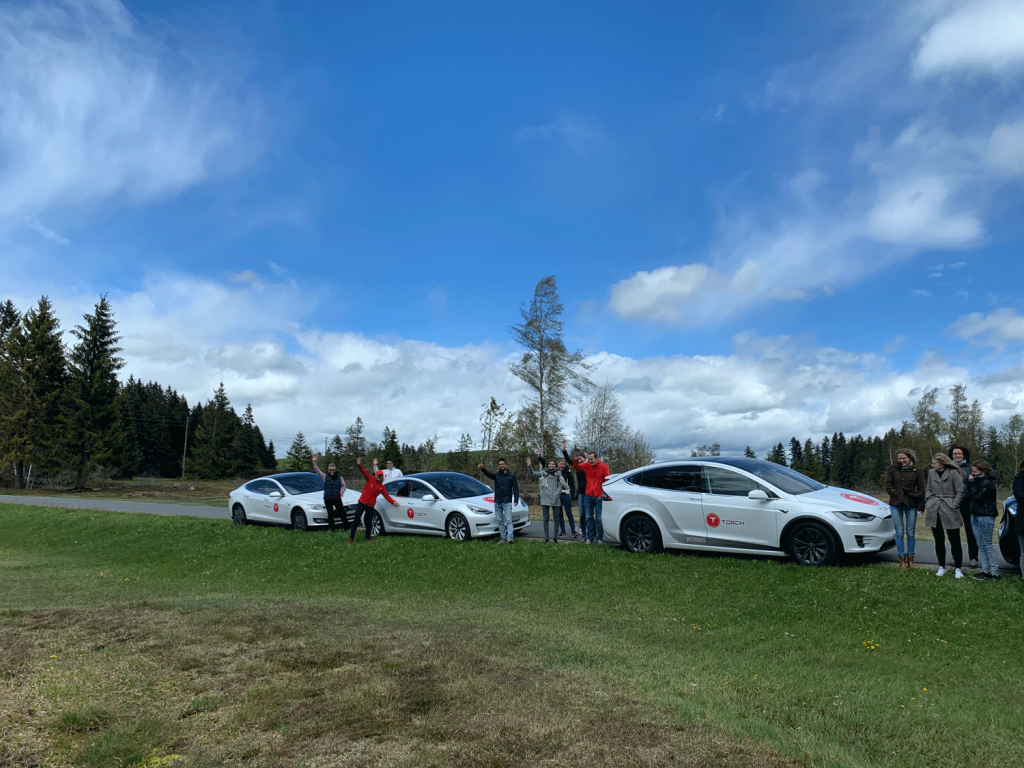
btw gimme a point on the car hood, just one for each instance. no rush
(842, 498)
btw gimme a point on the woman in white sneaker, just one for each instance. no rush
(943, 492)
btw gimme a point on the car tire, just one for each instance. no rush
(376, 526)
(457, 527)
(238, 515)
(640, 534)
(299, 522)
(812, 544)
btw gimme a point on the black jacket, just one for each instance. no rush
(982, 491)
(581, 478)
(1018, 494)
(506, 487)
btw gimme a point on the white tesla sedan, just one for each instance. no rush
(745, 506)
(441, 504)
(291, 498)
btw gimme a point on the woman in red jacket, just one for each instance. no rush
(364, 507)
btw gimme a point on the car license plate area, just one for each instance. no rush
(515, 518)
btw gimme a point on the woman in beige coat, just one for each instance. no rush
(943, 492)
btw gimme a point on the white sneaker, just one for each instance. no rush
(959, 573)
(941, 571)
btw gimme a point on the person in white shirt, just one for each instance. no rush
(391, 472)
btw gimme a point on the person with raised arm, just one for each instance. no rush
(552, 485)
(506, 496)
(596, 473)
(364, 508)
(391, 472)
(334, 491)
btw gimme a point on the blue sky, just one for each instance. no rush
(766, 219)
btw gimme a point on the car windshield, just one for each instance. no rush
(783, 478)
(455, 486)
(301, 483)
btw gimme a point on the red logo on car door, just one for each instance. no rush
(410, 513)
(275, 506)
(713, 520)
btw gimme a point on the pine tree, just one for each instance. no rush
(749, 453)
(355, 443)
(390, 450)
(777, 455)
(796, 455)
(216, 444)
(300, 455)
(95, 432)
(270, 458)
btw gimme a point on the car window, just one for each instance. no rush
(418, 490)
(303, 483)
(455, 486)
(257, 486)
(680, 477)
(785, 479)
(398, 488)
(725, 482)
(272, 486)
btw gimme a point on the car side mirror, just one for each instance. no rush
(275, 494)
(758, 495)
(429, 497)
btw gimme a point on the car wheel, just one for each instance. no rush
(457, 527)
(238, 515)
(376, 526)
(299, 522)
(812, 544)
(640, 534)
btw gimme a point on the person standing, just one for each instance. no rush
(904, 482)
(1018, 523)
(506, 497)
(551, 486)
(981, 487)
(943, 492)
(391, 472)
(334, 490)
(595, 472)
(566, 498)
(962, 457)
(364, 508)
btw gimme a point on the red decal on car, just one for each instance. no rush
(275, 506)
(488, 498)
(410, 513)
(860, 499)
(713, 520)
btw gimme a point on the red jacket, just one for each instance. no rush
(372, 490)
(596, 474)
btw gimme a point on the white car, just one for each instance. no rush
(745, 506)
(290, 498)
(441, 504)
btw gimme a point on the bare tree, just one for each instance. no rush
(601, 427)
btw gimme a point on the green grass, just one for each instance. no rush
(137, 640)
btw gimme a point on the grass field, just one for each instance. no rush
(138, 640)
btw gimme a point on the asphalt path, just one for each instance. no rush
(924, 555)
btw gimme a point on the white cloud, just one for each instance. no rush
(915, 212)
(46, 232)
(986, 36)
(1006, 148)
(997, 329)
(577, 133)
(88, 110)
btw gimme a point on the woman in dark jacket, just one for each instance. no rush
(1018, 494)
(962, 458)
(942, 496)
(904, 482)
(981, 487)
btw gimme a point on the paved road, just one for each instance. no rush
(925, 554)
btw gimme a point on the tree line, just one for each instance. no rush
(66, 418)
(861, 462)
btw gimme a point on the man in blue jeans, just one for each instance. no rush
(506, 496)
(591, 501)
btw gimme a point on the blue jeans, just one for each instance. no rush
(503, 514)
(905, 521)
(983, 526)
(592, 513)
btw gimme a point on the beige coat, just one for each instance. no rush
(942, 499)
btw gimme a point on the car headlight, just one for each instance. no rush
(478, 510)
(857, 517)
(317, 506)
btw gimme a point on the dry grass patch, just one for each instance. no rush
(316, 685)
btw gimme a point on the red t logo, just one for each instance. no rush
(713, 520)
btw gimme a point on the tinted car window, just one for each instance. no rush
(257, 486)
(459, 486)
(304, 483)
(783, 478)
(725, 482)
(418, 490)
(683, 477)
(398, 488)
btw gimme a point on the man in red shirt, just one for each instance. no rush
(596, 473)
(364, 507)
